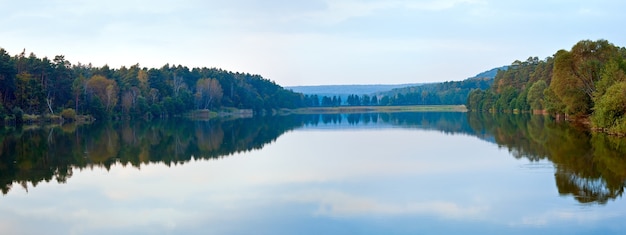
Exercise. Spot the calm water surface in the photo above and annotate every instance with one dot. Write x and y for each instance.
(402, 173)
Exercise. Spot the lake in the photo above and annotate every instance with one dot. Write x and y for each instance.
(387, 173)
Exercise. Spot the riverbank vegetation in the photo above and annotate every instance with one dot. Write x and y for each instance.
(586, 83)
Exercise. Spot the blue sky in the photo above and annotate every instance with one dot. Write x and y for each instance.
(310, 42)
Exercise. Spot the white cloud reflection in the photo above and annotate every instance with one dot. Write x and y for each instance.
(341, 204)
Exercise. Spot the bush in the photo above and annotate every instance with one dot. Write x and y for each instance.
(69, 114)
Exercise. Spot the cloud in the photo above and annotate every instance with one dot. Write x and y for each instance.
(338, 11)
(309, 42)
(439, 5)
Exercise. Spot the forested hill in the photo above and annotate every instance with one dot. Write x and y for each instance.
(41, 86)
(340, 90)
(490, 73)
(345, 90)
(586, 82)
(445, 93)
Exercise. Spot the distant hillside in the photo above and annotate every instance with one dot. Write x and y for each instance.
(341, 90)
(490, 73)
(443, 93)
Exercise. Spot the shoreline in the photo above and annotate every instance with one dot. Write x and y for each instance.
(206, 114)
(377, 109)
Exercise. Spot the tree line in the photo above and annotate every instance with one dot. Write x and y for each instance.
(445, 93)
(40, 86)
(587, 82)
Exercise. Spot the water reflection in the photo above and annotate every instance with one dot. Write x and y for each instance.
(52, 153)
(589, 167)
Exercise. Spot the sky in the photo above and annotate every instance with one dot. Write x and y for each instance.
(310, 42)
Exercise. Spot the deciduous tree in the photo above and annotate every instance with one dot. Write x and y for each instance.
(105, 89)
(208, 91)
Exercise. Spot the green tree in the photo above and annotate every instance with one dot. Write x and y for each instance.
(552, 103)
(365, 100)
(79, 89)
(612, 73)
(384, 100)
(505, 101)
(374, 100)
(58, 91)
(29, 93)
(610, 109)
(535, 95)
(7, 76)
(97, 109)
(474, 100)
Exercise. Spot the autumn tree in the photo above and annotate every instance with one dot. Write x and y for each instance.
(105, 89)
(588, 59)
(207, 91)
(577, 73)
(567, 88)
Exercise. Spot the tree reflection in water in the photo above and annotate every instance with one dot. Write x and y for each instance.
(591, 167)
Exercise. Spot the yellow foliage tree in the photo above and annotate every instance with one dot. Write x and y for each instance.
(106, 90)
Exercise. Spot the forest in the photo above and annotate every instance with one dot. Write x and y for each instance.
(586, 83)
(57, 88)
(445, 93)
(34, 87)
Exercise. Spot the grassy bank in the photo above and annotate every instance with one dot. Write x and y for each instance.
(380, 109)
(205, 114)
(33, 119)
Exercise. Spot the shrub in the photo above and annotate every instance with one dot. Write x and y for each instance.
(68, 114)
